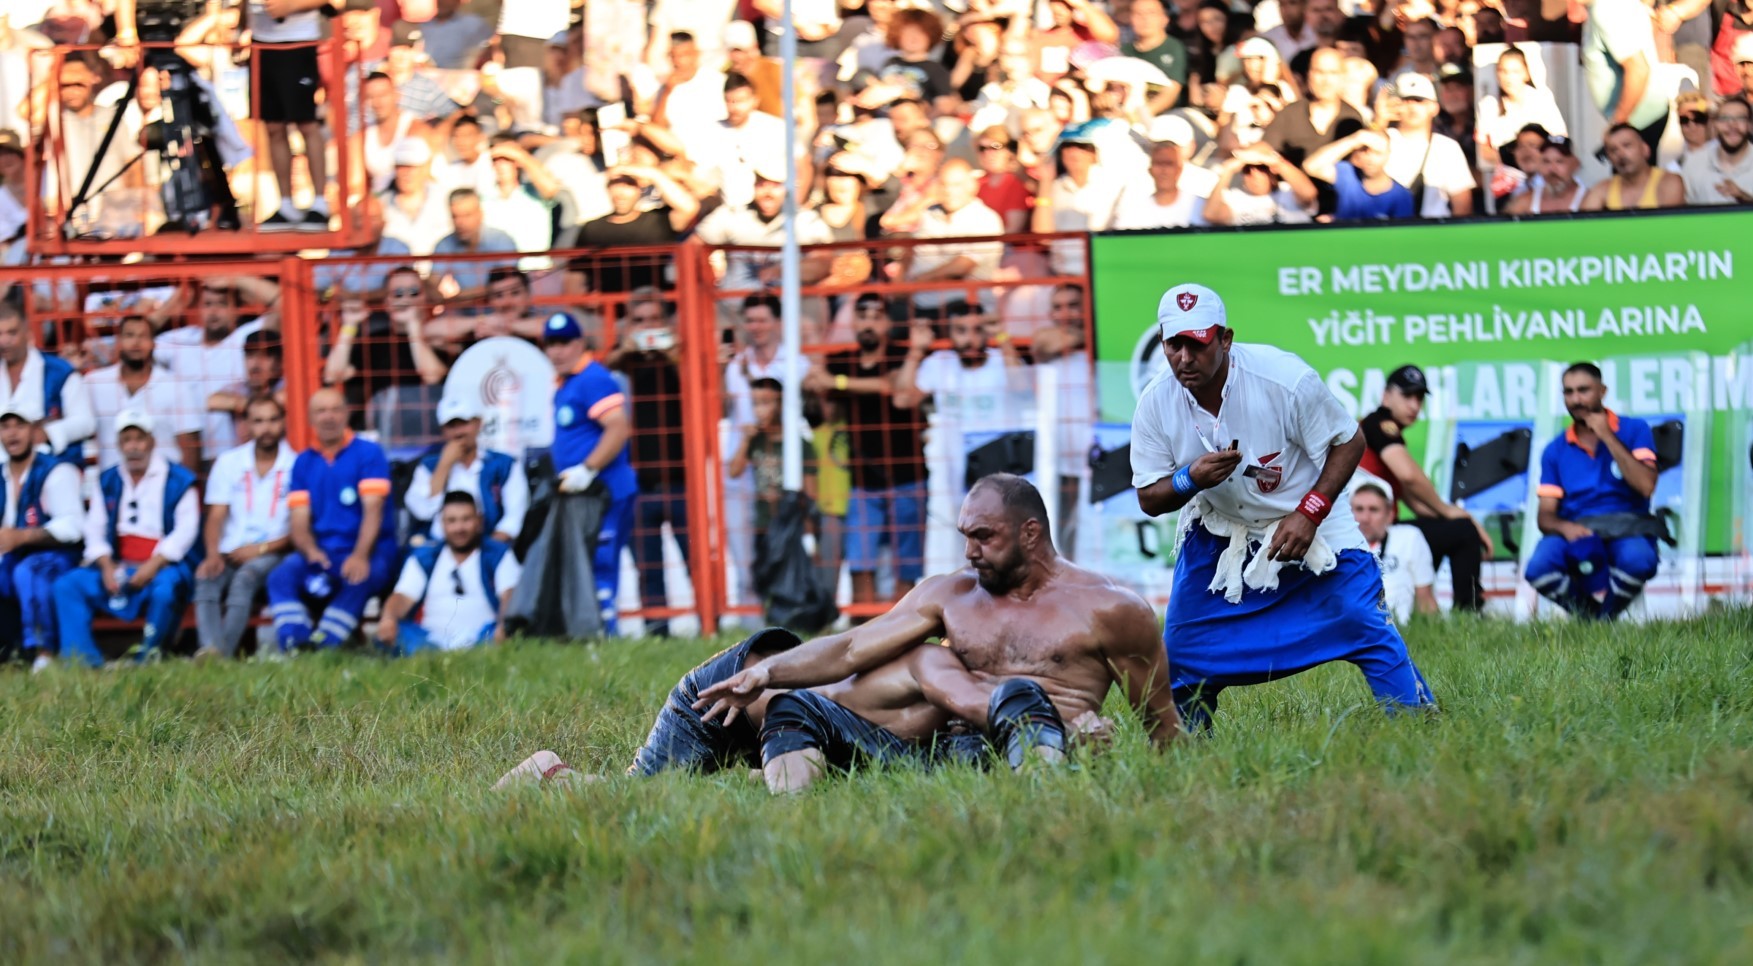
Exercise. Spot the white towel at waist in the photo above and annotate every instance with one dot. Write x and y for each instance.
(1235, 570)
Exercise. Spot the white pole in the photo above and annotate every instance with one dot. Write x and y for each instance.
(791, 414)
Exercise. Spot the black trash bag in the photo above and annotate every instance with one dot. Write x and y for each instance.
(557, 596)
(786, 577)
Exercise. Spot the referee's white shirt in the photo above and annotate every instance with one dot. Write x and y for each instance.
(1285, 419)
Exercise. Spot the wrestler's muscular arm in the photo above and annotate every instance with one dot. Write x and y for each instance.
(1133, 648)
(912, 620)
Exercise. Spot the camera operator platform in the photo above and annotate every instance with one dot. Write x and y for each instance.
(192, 137)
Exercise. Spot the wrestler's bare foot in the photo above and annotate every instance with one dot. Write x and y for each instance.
(793, 771)
(543, 766)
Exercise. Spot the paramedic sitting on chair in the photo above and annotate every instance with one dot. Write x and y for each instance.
(1595, 487)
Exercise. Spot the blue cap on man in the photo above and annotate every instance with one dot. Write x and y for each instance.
(561, 327)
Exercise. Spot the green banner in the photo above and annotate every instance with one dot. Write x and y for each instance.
(1491, 311)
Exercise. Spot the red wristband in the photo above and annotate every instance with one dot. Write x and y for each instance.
(1315, 506)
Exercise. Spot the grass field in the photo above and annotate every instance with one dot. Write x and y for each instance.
(1587, 796)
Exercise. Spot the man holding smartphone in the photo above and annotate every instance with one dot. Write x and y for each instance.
(1273, 577)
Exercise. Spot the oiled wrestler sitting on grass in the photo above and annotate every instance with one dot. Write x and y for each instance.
(1020, 616)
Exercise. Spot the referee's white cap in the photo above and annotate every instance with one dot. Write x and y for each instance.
(1193, 311)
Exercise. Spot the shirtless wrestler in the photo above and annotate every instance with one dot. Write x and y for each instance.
(1023, 615)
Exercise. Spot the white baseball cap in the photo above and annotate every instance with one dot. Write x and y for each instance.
(1414, 86)
(15, 410)
(1257, 47)
(1193, 311)
(1743, 50)
(740, 35)
(134, 419)
(1170, 129)
(411, 152)
(454, 408)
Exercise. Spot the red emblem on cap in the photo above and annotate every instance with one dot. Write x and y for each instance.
(1186, 300)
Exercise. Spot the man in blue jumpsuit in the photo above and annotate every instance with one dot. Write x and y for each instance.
(345, 547)
(591, 432)
(1595, 487)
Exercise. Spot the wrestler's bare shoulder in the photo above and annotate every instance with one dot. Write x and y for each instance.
(1098, 592)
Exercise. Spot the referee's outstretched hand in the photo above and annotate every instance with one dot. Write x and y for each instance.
(1213, 468)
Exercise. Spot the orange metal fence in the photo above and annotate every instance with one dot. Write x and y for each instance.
(691, 343)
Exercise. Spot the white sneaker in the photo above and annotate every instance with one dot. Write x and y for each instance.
(41, 664)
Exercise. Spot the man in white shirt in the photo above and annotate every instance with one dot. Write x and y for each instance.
(45, 388)
(958, 213)
(142, 524)
(459, 587)
(979, 384)
(208, 356)
(1431, 165)
(138, 382)
(1294, 33)
(247, 532)
(1160, 201)
(1722, 173)
(41, 522)
(746, 140)
(496, 480)
(1249, 437)
(1408, 575)
(693, 96)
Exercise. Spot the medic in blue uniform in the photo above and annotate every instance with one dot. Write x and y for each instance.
(1595, 487)
(591, 433)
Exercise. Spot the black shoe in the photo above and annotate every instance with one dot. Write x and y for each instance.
(312, 221)
(276, 222)
(228, 220)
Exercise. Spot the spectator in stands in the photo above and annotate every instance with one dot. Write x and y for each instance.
(979, 384)
(1356, 168)
(911, 72)
(41, 523)
(1062, 346)
(1419, 53)
(746, 140)
(14, 202)
(1619, 63)
(1272, 191)
(887, 460)
(1153, 44)
(1079, 196)
(1319, 119)
(470, 236)
(1431, 165)
(1159, 202)
(1558, 189)
(334, 275)
(1722, 173)
(524, 29)
(1692, 109)
(1002, 186)
(208, 356)
(137, 383)
(630, 223)
(284, 48)
(343, 541)
(1458, 116)
(591, 433)
(46, 388)
(458, 585)
(141, 532)
(763, 357)
(263, 376)
(83, 123)
(1214, 33)
(248, 521)
(1450, 531)
(1294, 33)
(495, 480)
(465, 162)
(415, 214)
(397, 347)
(1408, 575)
(762, 222)
(742, 50)
(692, 96)
(1517, 104)
(510, 206)
(761, 445)
(956, 212)
(511, 309)
(388, 127)
(1743, 52)
(649, 354)
(453, 40)
(1635, 183)
(1595, 485)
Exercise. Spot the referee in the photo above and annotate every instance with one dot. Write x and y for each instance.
(1451, 532)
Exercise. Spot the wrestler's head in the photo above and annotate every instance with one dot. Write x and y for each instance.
(1004, 531)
